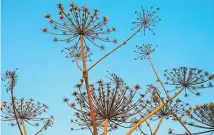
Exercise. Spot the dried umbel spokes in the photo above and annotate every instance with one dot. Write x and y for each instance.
(115, 79)
(74, 52)
(147, 19)
(110, 102)
(11, 78)
(203, 117)
(189, 78)
(79, 21)
(174, 107)
(144, 51)
(27, 111)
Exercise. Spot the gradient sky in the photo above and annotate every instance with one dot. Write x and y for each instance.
(185, 37)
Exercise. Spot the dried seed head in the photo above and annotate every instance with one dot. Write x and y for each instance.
(145, 51)
(190, 79)
(80, 21)
(147, 19)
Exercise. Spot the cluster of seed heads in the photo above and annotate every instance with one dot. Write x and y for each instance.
(203, 117)
(153, 101)
(144, 51)
(11, 77)
(190, 79)
(28, 111)
(75, 53)
(147, 19)
(111, 101)
(79, 21)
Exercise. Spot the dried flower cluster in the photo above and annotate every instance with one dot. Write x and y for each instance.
(113, 104)
(190, 79)
(144, 51)
(11, 77)
(174, 107)
(112, 101)
(28, 111)
(19, 111)
(74, 52)
(147, 19)
(203, 117)
(79, 21)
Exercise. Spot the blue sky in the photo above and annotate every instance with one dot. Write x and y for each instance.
(184, 38)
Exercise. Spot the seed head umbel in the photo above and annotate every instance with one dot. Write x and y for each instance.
(79, 21)
(191, 79)
(147, 19)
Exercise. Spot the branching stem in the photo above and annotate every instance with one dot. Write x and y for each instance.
(85, 76)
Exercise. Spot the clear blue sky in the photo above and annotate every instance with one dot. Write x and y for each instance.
(185, 37)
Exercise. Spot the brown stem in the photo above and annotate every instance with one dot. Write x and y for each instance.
(159, 124)
(24, 128)
(159, 80)
(180, 121)
(105, 126)
(44, 126)
(40, 130)
(150, 61)
(14, 108)
(85, 75)
(153, 112)
(150, 129)
(115, 48)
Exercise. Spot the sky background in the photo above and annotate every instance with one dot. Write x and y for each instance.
(184, 37)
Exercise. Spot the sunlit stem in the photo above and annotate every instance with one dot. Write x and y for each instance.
(115, 48)
(158, 126)
(159, 80)
(24, 128)
(85, 76)
(178, 119)
(105, 127)
(153, 112)
(14, 107)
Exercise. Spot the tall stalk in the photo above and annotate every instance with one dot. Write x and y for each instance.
(153, 112)
(105, 127)
(85, 76)
(14, 108)
(159, 80)
(158, 126)
(24, 128)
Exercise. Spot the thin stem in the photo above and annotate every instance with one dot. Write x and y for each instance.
(85, 75)
(40, 130)
(179, 120)
(150, 61)
(14, 109)
(115, 48)
(24, 128)
(153, 112)
(159, 80)
(105, 127)
(78, 64)
(158, 126)
(150, 129)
